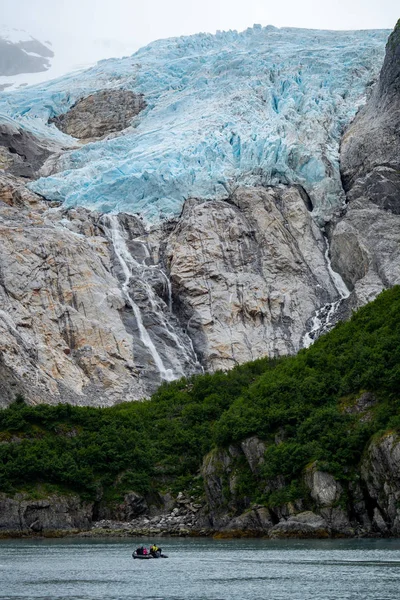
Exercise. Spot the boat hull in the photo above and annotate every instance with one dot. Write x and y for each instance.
(147, 556)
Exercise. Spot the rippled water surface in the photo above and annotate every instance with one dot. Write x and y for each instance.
(201, 569)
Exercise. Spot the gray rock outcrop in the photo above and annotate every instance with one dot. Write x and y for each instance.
(229, 511)
(324, 489)
(301, 525)
(327, 492)
(370, 158)
(55, 514)
(22, 153)
(254, 450)
(99, 114)
(381, 474)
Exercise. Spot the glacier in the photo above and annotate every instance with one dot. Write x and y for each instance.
(260, 107)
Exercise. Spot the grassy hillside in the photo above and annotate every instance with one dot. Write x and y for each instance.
(309, 401)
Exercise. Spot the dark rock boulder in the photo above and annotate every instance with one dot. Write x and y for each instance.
(132, 507)
(255, 522)
(302, 525)
(21, 152)
(254, 450)
(99, 114)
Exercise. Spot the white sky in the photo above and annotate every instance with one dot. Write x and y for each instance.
(138, 22)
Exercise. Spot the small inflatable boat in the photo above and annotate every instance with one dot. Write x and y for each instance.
(147, 556)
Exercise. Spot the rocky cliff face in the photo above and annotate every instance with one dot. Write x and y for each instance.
(365, 241)
(85, 312)
(54, 515)
(368, 507)
(96, 310)
(22, 153)
(247, 274)
(370, 160)
(381, 474)
(62, 336)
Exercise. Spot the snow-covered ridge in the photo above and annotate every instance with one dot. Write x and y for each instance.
(21, 54)
(15, 36)
(65, 54)
(264, 106)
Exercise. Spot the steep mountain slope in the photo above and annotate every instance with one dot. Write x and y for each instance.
(99, 308)
(29, 58)
(22, 53)
(366, 240)
(241, 271)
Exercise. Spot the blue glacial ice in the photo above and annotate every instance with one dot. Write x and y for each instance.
(264, 106)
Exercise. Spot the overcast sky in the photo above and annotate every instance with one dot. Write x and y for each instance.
(138, 22)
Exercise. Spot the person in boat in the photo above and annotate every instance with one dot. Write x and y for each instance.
(155, 551)
(140, 550)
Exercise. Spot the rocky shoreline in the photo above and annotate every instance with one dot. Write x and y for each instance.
(368, 507)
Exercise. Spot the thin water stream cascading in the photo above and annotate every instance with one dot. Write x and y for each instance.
(133, 269)
(322, 319)
(127, 262)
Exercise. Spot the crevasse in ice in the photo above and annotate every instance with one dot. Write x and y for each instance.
(264, 106)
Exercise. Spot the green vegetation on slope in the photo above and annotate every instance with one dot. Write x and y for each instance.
(306, 401)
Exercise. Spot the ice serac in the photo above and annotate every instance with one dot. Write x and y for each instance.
(365, 242)
(263, 107)
(248, 273)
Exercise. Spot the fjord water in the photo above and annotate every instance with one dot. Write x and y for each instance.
(200, 569)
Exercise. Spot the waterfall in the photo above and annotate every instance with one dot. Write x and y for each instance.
(127, 263)
(180, 351)
(337, 279)
(322, 320)
(169, 289)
